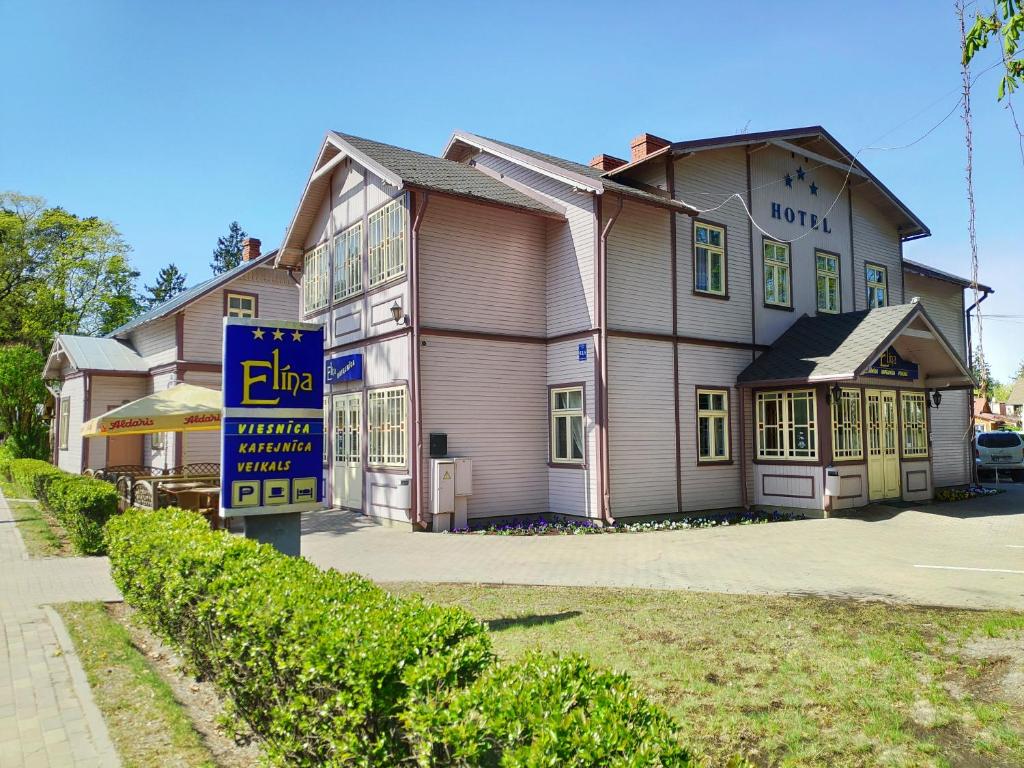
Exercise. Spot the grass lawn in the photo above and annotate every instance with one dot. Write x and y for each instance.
(42, 534)
(787, 681)
(146, 723)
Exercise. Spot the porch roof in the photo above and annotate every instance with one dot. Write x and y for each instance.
(842, 347)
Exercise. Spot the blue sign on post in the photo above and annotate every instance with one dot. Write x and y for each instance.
(344, 368)
(272, 427)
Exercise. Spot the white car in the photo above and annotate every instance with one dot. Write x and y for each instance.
(1000, 450)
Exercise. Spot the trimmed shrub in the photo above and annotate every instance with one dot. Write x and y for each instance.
(318, 663)
(34, 476)
(330, 670)
(6, 459)
(83, 505)
(544, 710)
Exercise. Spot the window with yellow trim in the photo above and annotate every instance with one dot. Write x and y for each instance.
(387, 241)
(827, 274)
(241, 306)
(567, 425)
(915, 423)
(65, 421)
(787, 426)
(712, 425)
(847, 437)
(776, 274)
(708, 258)
(348, 262)
(315, 268)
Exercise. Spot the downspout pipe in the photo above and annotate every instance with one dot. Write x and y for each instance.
(416, 438)
(970, 347)
(970, 400)
(602, 309)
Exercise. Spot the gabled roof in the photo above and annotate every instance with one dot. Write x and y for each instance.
(570, 172)
(839, 347)
(400, 168)
(1017, 393)
(89, 353)
(917, 268)
(801, 139)
(172, 305)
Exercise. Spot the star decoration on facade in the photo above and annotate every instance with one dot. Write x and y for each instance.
(789, 181)
(814, 188)
(296, 336)
(800, 173)
(278, 334)
(258, 334)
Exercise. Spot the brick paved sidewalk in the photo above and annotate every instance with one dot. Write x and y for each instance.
(47, 714)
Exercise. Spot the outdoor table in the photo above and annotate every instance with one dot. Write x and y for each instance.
(197, 493)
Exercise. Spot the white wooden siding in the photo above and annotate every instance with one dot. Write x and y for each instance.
(797, 486)
(916, 480)
(641, 416)
(853, 486)
(574, 491)
(768, 168)
(709, 486)
(482, 268)
(875, 240)
(202, 446)
(156, 341)
(640, 270)
(704, 180)
(490, 399)
(571, 244)
(164, 457)
(71, 459)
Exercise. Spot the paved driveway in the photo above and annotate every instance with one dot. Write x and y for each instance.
(968, 554)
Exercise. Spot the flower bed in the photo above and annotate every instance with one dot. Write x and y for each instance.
(544, 527)
(965, 494)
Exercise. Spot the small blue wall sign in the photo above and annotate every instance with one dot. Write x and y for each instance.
(344, 368)
(272, 430)
(891, 366)
(582, 352)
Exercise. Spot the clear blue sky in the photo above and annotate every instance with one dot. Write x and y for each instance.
(173, 119)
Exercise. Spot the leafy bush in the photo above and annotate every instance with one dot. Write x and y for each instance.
(83, 505)
(6, 459)
(541, 711)
(330, 670)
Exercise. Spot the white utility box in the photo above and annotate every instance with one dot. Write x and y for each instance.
(463, 477)
(401, 497)
(451, 483)
(832, 481)
(442, 486)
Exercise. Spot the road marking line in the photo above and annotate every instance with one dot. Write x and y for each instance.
(1015, 546)
(964, 568)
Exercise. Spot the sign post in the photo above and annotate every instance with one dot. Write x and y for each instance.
(272, 427)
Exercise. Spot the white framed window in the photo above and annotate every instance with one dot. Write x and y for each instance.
(827, 279)
(315, 270)
(708, 258)
(877, 280)
(786, 425)
(240, 305)
(915, 423)
(567, 446)
(65, 421)
(348, 262)
(847, 437)
(776, 274)
(386, 242)
(712, 425)
(386, 426)
(157, 441)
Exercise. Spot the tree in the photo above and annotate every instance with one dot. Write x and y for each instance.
(169, 283)
(60, 273)
(228, 253)
(982, 374)
(1004, 25)
(22, 394)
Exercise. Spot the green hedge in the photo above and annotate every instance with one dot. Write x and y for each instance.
(81, 504)
(330, 670)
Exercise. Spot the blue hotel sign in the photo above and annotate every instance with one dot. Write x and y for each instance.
(272, 427)
(891, 366)
(344, 368)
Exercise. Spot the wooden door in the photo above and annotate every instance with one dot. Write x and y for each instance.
(124, 450)
(348, 451)
(883, 445)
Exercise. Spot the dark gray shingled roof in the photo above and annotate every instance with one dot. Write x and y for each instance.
(193, 293)
(594, 173)
(827, 347)
(436, 173)
(924, 270)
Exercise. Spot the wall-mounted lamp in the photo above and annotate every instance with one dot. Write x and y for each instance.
(833, 394)
(399, 317)
(936, 398)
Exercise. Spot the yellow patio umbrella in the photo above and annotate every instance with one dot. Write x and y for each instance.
(182, 408)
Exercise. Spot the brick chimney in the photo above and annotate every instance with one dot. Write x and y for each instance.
(250, 249)
(607, 162)
(645, 144)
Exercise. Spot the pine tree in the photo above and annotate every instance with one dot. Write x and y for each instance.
(169, 283)
(228, 253)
